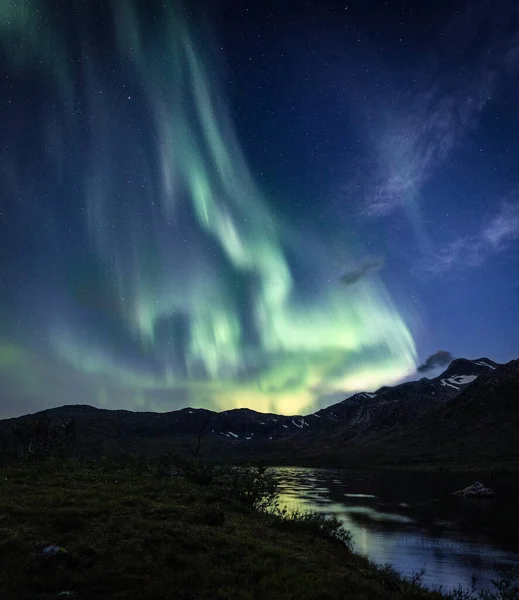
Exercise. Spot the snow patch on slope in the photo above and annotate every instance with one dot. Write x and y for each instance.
(444, 382)
(484, 364)
(462, 379)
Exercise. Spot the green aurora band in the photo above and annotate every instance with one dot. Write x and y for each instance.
(196, 269)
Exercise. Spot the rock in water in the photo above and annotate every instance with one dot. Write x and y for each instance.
(476, 490)
(53, 549)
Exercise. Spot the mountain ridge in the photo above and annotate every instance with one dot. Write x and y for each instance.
(357, 424)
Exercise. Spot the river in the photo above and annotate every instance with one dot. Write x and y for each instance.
(412, 521)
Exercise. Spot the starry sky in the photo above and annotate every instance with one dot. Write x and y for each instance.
(252, 204)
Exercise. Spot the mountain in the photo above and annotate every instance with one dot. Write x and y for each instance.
(391, 408)
(414, 419)
(479, 424)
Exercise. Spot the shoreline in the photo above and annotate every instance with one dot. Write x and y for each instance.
(131, 532)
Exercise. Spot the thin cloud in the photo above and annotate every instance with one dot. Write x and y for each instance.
(504, 227)
(461, 252)
(420, 137)
(495, 237)
(425, 125)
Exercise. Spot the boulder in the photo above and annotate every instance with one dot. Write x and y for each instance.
(476, 490)
(53, 549)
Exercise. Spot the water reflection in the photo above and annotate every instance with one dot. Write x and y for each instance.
(409, 520)
(360, 495)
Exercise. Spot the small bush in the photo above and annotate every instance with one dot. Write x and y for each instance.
(330, 527)
(256, 487)
(506, 587)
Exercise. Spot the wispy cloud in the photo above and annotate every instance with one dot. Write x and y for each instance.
(504, 227)
(472, 251)
(461, 252)
(419, 137)
(424, 125)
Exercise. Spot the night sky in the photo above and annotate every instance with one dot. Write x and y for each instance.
(252, 204)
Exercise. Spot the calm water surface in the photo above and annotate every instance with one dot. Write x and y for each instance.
(412, 521)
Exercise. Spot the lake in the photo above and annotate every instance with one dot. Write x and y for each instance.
(412, 521)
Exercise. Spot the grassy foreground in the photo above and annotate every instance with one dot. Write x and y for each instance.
(132, 532)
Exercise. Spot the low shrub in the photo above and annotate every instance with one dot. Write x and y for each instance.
(505, 588)
(256, 487)
(328, 526)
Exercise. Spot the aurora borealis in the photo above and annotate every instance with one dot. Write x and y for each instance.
(149, 262)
